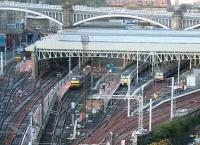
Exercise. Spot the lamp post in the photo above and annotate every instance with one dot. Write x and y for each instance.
(73, 105)
(20, 40)
(110, 71)
(172, 100)
(27, 39)
(5, 54)
(70, 75)
(85, 94)
(150, 115)
(1, 62)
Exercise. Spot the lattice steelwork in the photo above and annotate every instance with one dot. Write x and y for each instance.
(129, 55)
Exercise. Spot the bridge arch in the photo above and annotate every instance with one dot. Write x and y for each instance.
(120, 16)
(32, 12)
(192, 27)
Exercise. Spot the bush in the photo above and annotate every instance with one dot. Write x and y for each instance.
(176, 130)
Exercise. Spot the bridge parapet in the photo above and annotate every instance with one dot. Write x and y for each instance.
(30, 5)
(118, 10)
(192, 15)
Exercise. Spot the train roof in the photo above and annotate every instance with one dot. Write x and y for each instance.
(129, 70)
(132, 68)
(76, 77)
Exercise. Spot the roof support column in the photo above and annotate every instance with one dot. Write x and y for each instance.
(79, 62)
(195, 61)
(153, 64)
(178, 69)
(137, 67)
(70, 67)
(124, 64)
(34, 65)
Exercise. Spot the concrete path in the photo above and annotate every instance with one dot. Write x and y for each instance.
(25, 66)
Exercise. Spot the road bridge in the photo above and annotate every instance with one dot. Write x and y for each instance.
(149, 46)
(81, 14)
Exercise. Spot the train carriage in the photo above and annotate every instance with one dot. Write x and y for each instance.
(75, 82)
(169, 70)
(126, 74)
(131, 73)
(78, 79)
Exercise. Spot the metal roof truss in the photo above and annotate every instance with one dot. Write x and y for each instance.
(149, 57)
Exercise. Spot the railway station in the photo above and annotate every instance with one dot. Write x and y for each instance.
(153, 57)
(101, 81)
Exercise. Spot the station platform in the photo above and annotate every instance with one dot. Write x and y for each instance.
(25, 66)
(110, 87)
(63, 89)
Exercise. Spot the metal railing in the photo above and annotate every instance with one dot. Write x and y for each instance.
(118, 10)
(29, 5)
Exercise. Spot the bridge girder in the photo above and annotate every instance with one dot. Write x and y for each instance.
(120, 16)
(192, 27)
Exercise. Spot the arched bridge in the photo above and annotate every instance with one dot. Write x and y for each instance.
(83, 13)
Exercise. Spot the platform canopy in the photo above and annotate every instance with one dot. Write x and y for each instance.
(121, 40)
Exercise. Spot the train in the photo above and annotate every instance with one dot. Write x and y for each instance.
(19, 57)
(166, 71)
(131, 73)
(75, 82)
(126, 74)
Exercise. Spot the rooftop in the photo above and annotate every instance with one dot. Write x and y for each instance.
(123, 40)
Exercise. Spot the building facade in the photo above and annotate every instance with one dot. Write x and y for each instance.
(161, 3)
(179, 2)
(11, 24)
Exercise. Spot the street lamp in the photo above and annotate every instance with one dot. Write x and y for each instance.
(20, 40)
(73, 105)
(91, 76)
(110, 71)
(70, 75)
(85, 94)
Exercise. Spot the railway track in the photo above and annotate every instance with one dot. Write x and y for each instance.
(64, 114)
(13, 100)
(13, 84)
(67, 115)
(123, 130)
(110, 111)
(7, 89)
(17, 115)
(42, 87)
(56, 129)
(122, 90)
(26, 120)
